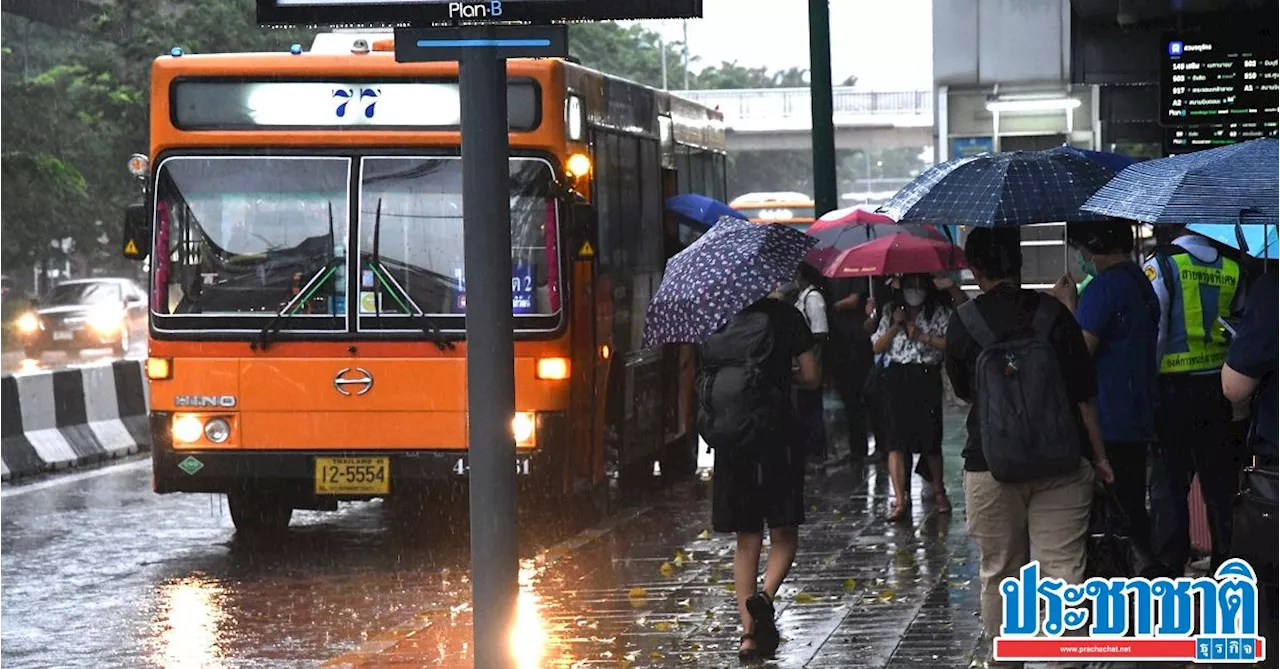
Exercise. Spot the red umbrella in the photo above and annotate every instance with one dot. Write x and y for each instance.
(846, 228)
(897, 254)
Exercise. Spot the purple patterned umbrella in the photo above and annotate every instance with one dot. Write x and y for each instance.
(730, 267)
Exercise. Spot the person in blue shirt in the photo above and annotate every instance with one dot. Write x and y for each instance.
(1120, 316)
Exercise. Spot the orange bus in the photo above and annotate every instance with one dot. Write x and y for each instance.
(793, 209)
(303, 220)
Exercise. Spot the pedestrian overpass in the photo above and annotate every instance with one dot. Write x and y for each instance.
(777, 119)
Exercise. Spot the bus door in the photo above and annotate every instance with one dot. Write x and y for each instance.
(590, 361)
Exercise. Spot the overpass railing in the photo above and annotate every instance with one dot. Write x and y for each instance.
(770, 109)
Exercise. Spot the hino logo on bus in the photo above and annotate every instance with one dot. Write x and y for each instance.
(358, 377)
(491, 9)
(205, 401)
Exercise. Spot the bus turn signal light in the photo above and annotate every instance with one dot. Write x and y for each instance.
(553, 369)
(159, 369)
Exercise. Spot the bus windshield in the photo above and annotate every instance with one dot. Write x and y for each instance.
(248, 236)
(241, 235)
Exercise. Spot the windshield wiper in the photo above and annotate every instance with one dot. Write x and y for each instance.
(291, 307)
(385, 279)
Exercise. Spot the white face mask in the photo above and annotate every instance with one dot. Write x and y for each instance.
(914, 296)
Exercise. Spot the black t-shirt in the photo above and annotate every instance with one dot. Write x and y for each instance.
(791, 337)
(1253, 353)
(1009, 311)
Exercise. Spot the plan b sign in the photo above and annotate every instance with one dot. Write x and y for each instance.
(1207, 620)
(427, 13)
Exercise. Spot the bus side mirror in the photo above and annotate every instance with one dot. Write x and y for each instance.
(585, 225)
(136, 237)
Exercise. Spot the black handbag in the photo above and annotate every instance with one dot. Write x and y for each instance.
(1111, 551)
(1253, 516)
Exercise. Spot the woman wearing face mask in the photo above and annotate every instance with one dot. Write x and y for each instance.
(912, 335)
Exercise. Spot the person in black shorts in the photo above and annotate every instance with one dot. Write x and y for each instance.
(763, 483)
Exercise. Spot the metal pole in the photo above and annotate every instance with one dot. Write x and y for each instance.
(824, 133)
(482, 85)
(662, 44)
(685, 23)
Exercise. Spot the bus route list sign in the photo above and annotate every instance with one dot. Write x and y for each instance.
(1216, 80)
(424, 13)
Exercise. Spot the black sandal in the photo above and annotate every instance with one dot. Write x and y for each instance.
(748, 655)
(760, 606)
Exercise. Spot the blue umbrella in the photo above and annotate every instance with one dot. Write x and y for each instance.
(731, 267)
(1260, 239)
(701, 209)
(1001, 189)
(1113, 161)
(1229, 184)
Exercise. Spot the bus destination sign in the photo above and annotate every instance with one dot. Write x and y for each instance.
(426, 13)
(1214, 81)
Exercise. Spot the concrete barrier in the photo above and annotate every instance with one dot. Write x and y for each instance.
(72, 417)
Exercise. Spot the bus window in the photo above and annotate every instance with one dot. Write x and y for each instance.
(413, 206)
(245, 233)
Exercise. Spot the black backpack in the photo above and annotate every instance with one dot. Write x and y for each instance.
(1025, 419)
(739, 404)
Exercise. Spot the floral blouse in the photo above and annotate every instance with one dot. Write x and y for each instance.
(905, 351)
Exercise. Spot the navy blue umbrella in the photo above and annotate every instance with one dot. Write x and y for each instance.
(701, 209)
(1001, 189)
(1229, 184)
(1113, 161)
(731, 267)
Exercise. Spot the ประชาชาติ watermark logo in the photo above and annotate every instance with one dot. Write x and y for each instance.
(1137, 619)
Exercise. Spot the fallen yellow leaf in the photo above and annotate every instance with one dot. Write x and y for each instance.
(666, 569)
(679, 560)
(803, 597)
(712, 579)
(730, 587)
(710, 614)
(663, 626)
(636, 593)
(813, 507)
(705, 534)
(850, 585)
(655, 655)
(886, 596)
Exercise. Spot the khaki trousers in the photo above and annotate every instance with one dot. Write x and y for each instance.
(1014, 523)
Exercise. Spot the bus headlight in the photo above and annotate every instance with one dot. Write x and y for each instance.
(217, 430)
(552, 369)
(523, 426)
(28, 323)
(187, 429)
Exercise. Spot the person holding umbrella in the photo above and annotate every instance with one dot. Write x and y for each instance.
(912, 335)
(722, 293)
(1119, 315)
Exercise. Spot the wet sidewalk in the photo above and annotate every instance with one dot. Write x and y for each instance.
(653, 588)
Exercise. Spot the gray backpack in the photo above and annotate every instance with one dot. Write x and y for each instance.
(1025, 419)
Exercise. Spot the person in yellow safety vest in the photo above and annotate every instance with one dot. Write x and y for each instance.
(1197, 286)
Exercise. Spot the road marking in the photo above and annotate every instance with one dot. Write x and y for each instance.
(72, 478)
(368, 651)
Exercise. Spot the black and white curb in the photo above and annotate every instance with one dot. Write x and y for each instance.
(72, 417)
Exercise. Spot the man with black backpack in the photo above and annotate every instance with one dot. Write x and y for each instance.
(747, 370)
(1021, 359)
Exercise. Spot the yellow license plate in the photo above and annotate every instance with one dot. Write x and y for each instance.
(353, 476)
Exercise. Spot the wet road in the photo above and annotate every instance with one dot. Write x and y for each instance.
(100, 572)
